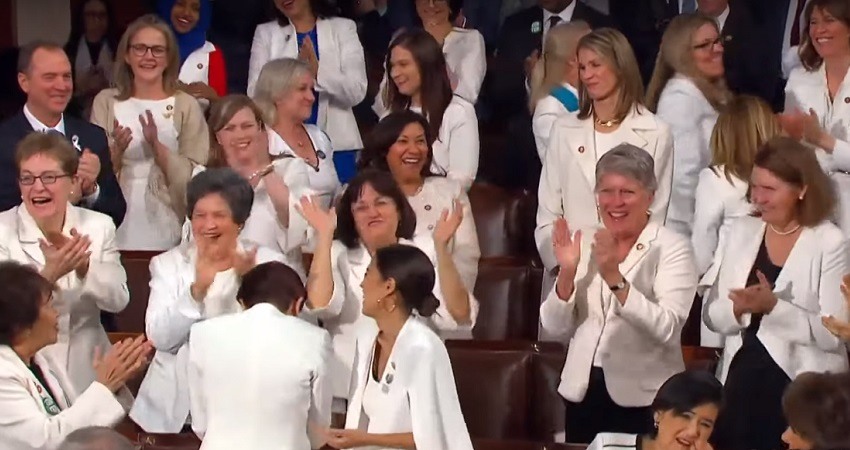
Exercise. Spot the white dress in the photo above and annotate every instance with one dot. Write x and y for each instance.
(149, 223)
(323, 180)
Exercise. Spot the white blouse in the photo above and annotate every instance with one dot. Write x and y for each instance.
(438, 193)
(457, 145)
(323, 179)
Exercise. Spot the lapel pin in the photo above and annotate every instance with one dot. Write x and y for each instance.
(640, 246)
(200, 66)
(321, 154)
(75, 141)
(536, 27)
(581, 149)
(169, 107)
(390, 378)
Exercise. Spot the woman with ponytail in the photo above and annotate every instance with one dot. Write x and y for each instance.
(554, 80)
(687, 90)
(404, 394)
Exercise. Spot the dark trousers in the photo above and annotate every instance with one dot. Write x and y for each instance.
(597, 413)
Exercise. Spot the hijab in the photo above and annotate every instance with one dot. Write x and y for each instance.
(194, 39)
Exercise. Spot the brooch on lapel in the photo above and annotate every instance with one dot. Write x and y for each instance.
(75, 141)
(169, 111)
(388, 379)
(321, 154)
(536, 27)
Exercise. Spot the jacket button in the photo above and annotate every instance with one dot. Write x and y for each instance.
(427, 207)
(640, 246)
(200, 66)
(430, 227)
(581, 149)
(846, 99)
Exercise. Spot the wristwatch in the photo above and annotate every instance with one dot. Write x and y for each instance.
(618, 286)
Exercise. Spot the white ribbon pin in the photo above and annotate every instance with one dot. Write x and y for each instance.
(75, 140)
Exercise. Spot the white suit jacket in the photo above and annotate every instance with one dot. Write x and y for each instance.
(691, 118)
(196, 68)
(323, 182)
(259, 379)
(808, 90)
(808, 287)
(418, 392)
(719, 203)
(79, 302)
(614, 441)
(162, 404)
(546, 112)
(341, 82)
(639, 343)
(343, 315)
(568, 179)
(24, 421)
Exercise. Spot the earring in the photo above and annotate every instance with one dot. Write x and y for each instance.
(648, 213)
(655, 424)
(801, 196)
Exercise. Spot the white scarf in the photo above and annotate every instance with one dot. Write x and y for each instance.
(84, 60)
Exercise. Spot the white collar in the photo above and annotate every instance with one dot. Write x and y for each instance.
(38, 126)
(721, 19)
(566, 15)
(570, 88)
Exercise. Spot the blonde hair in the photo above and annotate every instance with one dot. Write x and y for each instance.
(613, 47)
(123, 75)
(558, 50)
(277, 78)
(676, 56)
(744, 126)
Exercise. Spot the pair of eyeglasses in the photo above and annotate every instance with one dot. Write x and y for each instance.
(46, 178)
(157, 51)
(721, 40)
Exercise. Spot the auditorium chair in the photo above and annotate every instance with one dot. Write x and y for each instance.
(137, 266)
(509, 297)
(503, 221)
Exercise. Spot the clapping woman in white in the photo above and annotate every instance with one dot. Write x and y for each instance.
(403, 390)
(373, 213)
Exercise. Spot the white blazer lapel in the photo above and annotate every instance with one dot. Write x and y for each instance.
(640, 130)
(29, 235)
(583, 148)
(285, 43)
(365, 344)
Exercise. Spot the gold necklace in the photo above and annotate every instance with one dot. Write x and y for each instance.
(606, 123)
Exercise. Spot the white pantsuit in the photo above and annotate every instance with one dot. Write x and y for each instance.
(808, 287)
(259, 379)
(162, 405)
(78, 301)
(417, 391)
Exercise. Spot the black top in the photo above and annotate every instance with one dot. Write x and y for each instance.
(39, 375)
(771, 272)
(94, 50)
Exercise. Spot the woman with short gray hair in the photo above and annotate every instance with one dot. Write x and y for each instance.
(195, 281)
(284, 93)
(622, 295)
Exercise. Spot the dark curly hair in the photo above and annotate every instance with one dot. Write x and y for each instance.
(817, 407)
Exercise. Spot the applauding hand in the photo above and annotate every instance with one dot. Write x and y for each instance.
(840, 327)
(756, 299)
(448, 224)
(122, 362)
(324, 222)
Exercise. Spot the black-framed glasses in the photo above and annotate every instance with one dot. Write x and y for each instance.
(46, 178)
(721, 40)
(157, 51)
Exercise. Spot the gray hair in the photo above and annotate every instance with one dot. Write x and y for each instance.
(277, 78)
(629, 161)
(224, 181)
(96, 438)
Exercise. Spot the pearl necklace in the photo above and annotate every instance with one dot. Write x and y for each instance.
(784, 233)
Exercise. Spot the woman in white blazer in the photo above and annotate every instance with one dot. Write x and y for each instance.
(47, 232)
(240, 141)
(285, 402)
(307, 30)
(683, 412)
(403, 390)
(285, 97)
(817, 97)
(39, 405)
(203, 73)
(195, 281)
(686, 90)
(553, 81)
(610, 113)
(400, 144)
(419, 82)
(778, 273)
(374, 213)
(622, 294)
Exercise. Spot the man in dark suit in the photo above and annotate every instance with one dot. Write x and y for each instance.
(643, 22)
(44, 74)
(521, 38)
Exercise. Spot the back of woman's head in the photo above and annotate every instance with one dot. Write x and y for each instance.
(272, 282)
(385, 134)
(742, 128)
(687, 390)
(22, 290)
(614, 49)
(676, 56)
(414, 276)
(817, 408)
(558, 50)
(435, 88)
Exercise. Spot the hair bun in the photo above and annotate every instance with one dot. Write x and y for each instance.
(429, 305)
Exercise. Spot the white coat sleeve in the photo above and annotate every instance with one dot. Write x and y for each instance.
(106, 280)
(541, 123)
(664, 167)
(346, 85)
(802, 325)
(321, 395)
(260, 55)
(436, 417)
(473, 67)
(24, 420)
(195, 374)
(442, 318)
(663, 315)
(680, 110)
(339, 267)
(549, 206)
(558, 316)
(465, 249)
(462, 142)
(708, 216)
